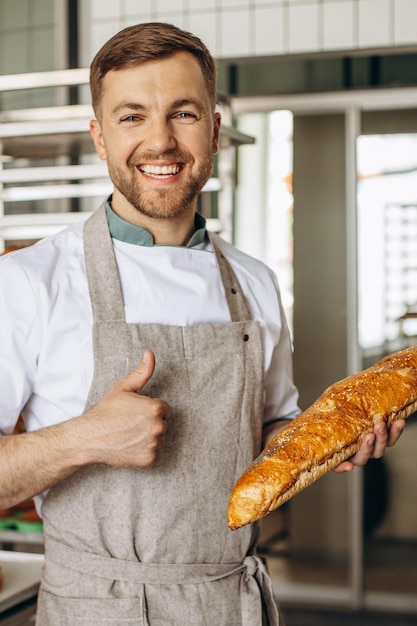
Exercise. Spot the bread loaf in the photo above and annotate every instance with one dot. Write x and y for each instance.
(328, 432)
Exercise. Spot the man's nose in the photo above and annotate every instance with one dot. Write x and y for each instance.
(160, 137)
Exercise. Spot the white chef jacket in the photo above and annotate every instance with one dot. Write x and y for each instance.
(46, 357)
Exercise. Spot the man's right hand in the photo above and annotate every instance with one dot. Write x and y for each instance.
(127, 429)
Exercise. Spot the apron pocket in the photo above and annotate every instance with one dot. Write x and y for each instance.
(60, 611)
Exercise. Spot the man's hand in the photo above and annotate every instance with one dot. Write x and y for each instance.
(373, 445)
(127, 429)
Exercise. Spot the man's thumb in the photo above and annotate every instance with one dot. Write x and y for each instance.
(138, 378)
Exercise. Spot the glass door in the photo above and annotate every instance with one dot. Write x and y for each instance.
(347, 540)
(387, 287)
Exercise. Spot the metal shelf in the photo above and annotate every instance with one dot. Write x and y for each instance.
(58, 138)
(8, 537)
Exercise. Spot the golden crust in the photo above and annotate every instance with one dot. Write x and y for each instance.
(327, 433)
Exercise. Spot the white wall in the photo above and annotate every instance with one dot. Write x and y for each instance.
(32, 39)
(247, 28)
(30, 31)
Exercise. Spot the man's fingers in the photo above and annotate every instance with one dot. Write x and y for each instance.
(137, 379)
(395, 432)
(374, 445)
(361, 457)
(366, 451)
(381, 440)
(386, 437)
(345, 466)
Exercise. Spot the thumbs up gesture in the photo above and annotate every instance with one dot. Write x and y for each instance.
(127, 429)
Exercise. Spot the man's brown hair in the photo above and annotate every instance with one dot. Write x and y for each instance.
(143, 42)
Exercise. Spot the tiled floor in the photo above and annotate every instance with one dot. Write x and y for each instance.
(305, 617)
(390, 569)
(293, 617)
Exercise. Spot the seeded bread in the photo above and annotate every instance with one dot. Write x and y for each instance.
(328, 432)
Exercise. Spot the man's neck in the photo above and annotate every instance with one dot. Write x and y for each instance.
(175, 231)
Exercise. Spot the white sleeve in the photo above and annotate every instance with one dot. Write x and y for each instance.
(19, 341)
(281, 395)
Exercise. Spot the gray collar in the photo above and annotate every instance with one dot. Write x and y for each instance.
(129, 233)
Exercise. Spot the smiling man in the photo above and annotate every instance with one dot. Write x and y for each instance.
(158, 143)
(150, 360)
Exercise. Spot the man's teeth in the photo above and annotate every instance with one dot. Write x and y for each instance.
(157, 170)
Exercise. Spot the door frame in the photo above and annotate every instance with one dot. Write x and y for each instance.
(352, 104)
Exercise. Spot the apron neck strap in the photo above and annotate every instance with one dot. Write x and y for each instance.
(236, 301)
(104, 280)
(102, 272)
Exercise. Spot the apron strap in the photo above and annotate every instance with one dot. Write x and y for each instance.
(256, 585)
(138, 572)
(236, 301)
(106, 294)
(255, 581)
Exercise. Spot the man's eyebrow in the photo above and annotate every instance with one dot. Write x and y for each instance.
(130, 106)
(183, 102)
(176, 104)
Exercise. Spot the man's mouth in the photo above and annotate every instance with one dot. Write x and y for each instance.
(160, 171)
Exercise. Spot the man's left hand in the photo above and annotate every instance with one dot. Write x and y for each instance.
(373, 445)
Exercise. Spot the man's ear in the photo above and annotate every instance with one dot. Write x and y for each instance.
(97, 135)
(216, 132)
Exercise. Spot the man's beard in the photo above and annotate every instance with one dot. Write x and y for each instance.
(161, 203)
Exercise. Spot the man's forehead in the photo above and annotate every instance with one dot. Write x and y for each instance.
(180, 59)
(163, 80)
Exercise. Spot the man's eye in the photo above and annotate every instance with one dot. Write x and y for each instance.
(130, 118)
(185, 115)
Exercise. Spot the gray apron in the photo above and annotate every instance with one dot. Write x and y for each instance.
(151, 546)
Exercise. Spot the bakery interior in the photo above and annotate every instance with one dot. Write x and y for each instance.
(317, 177)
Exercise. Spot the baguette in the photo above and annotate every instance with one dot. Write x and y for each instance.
(324, 435)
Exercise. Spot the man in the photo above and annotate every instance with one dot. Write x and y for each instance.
(132, 459)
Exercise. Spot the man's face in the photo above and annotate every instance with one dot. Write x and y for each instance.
(158, 133)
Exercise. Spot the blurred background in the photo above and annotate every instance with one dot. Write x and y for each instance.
(316, 176)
